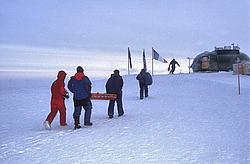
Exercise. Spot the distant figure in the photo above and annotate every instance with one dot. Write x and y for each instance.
(114, 85)
(144, 79)
(172, 64)
(58, 96)
(80, 86)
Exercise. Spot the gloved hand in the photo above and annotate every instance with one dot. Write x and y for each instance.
(66, 96)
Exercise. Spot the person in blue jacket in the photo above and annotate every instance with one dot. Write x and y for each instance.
(80, 86)
(141, 77)
(114, 86)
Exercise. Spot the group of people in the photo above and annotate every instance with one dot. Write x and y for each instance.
(80, 86)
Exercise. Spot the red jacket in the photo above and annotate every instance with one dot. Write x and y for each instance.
(57, 88)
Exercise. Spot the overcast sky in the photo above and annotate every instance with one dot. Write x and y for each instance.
(171, 26)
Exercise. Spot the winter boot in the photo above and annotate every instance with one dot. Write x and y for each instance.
(64, 125)
(47, 125)
(119, 115)
(77, 126)
(88, 123)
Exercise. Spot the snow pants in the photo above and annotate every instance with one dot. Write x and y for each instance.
(172, 70)
(86, 105)
(119, 106)
(57, 105)
(143, 88)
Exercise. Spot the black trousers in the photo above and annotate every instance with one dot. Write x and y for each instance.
(143, 89)
(119, 106)
(86, 104)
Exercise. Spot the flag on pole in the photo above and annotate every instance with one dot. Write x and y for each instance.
(144, 60)
(129, 59)
(156, 56)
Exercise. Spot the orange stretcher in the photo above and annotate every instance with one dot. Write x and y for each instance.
(103, 96)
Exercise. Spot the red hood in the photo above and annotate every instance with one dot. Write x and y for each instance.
(79, 76)
(61, 75)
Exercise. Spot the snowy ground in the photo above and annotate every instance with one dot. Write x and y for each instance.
(188, 118)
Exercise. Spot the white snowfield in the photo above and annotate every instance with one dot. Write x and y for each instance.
(194, 118)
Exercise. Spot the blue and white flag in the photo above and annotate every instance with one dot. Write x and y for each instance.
(156, 56)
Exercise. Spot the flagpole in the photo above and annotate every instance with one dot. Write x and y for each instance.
(189, 58)
(128, 62)
(152, 62)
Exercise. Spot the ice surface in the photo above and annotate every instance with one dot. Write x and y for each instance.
(187, 118)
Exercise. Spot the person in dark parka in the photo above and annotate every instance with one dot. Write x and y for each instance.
(142, 83)
(80, 86)
(114, 85)
(172, 64)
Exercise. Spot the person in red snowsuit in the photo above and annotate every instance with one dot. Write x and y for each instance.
(59, 94)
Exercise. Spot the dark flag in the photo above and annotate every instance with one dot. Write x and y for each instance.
(156, 56)
(144, 60)
(129, 59)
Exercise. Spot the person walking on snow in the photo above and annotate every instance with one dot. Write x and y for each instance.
(141, 77)
(114, 86)
(172, 63)
(80, 86)
(59, 94)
